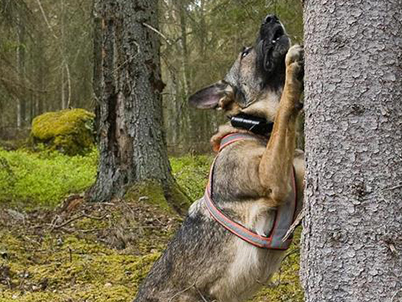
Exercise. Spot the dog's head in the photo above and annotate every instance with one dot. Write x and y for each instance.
(256, 77)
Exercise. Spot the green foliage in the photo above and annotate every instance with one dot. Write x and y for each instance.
(68, 131)
(43, 179)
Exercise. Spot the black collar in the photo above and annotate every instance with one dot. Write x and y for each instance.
(257, 125)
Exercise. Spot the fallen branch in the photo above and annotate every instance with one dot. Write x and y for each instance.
(94, 217)
(55, 227)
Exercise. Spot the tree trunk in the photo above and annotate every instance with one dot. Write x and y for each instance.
(132, 144)
(183, 126)
(97, 67)
(352, 238)
(184, 56)
(21, 58)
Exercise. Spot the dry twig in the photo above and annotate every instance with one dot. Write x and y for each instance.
(158, 32)
(294, 225)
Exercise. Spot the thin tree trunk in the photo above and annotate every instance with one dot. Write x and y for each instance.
(182, 110)
(203, 32)
(41, 77)
(184, 59)
(352, 238)
(97, 71)
(21, 58)
(132, 143)
(62, 89)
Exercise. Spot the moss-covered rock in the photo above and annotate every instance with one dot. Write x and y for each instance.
(69, 131)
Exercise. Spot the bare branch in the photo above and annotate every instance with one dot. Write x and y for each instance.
(158, 32)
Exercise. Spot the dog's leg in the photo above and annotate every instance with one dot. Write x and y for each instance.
(277, 160)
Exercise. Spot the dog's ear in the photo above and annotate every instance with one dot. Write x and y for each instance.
(209, 97)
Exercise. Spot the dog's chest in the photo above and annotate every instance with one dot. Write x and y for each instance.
(251, 267)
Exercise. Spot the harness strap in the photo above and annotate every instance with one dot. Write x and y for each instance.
(284, 216)
(234, 137)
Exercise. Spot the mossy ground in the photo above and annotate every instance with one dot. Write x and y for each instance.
(31, 180)
(78, 251)
(170, 198)
(81, 251)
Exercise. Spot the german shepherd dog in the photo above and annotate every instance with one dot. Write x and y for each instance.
(205, 262)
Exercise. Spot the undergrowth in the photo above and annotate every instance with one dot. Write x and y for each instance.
(191, 173)
(94, 251)
(42, 179)
(32, 179)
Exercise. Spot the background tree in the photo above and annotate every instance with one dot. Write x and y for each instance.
(131, 139)
(45, 59)
(352, 240)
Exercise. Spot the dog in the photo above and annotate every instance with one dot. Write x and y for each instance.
(251, 180)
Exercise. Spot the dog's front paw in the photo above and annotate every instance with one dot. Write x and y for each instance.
(295, 55)
(295, 63)
(295, 66)
(294, 76)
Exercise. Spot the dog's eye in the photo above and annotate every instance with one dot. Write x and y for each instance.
(245, 52)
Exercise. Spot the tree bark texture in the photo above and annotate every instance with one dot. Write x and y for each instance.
(131, 140)
(352, 236)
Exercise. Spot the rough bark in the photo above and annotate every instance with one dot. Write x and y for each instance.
(352, 238)
(131, 140)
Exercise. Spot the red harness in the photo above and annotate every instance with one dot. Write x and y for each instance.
(284, 215)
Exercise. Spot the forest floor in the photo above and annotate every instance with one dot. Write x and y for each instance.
(73, 251)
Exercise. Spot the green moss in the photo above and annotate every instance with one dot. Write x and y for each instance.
(79, 269)
(191, 173)
(68, 131)
(30, 297)
(41, 179)
(81, 266)
(170, 198)
(149, 191)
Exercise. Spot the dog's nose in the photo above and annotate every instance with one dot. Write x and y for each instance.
(271, 19)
